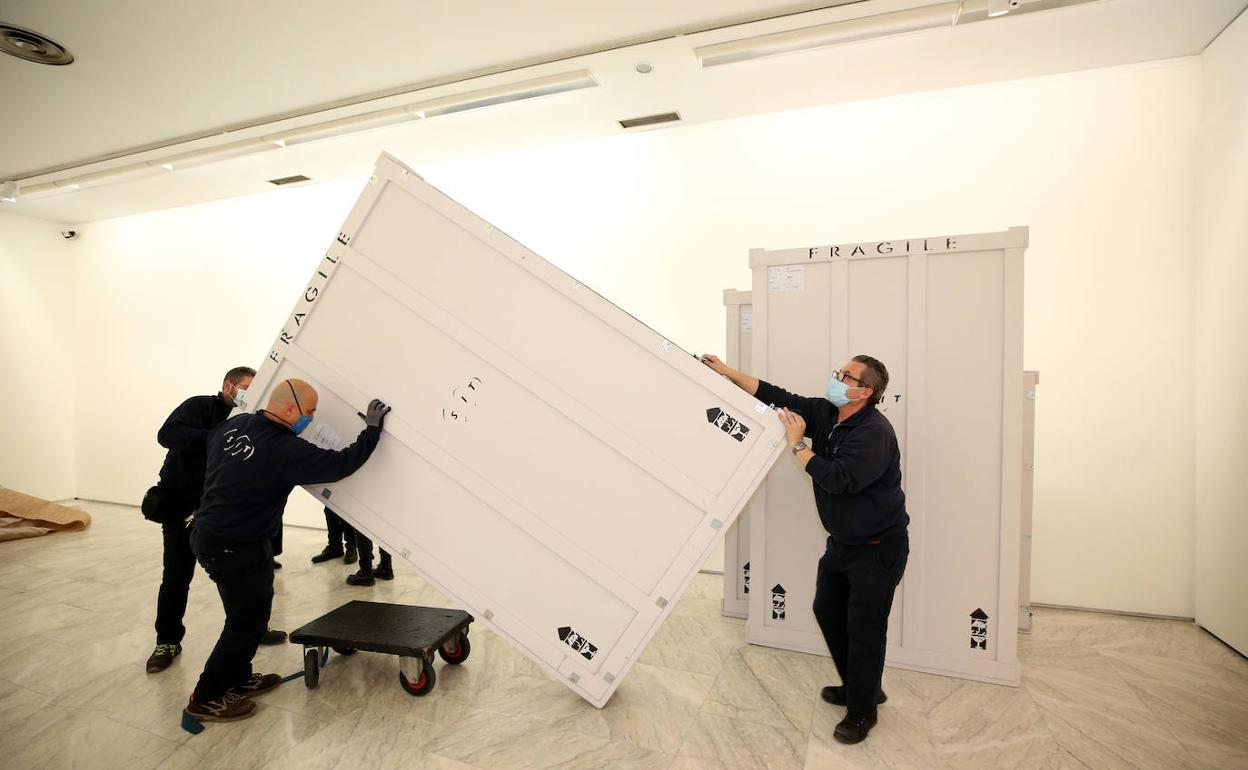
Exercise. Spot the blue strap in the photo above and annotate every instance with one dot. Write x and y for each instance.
(191, 724)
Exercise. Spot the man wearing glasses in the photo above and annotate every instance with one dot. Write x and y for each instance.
(855, 467)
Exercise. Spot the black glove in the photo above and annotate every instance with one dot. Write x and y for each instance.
(377, 412)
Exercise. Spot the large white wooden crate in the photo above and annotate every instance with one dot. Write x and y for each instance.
(945, 315)
(552, 464)
(739, 338)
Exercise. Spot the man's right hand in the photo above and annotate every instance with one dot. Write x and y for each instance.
(742, 380)
(377, 412)
(718, 366)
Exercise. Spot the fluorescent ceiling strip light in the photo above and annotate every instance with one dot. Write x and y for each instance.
(96, 179)
(823, 35)
(349, 125)
(471, 100)
(215, 154)
(113, 175)
(512, 92)
(42, 190)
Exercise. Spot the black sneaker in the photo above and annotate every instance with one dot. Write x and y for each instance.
(835, 695)
(351, 556)
(258, 684)
(327, 555)
(384, 572)
(272, 636)
(227, 708)
(362, 578)
(163, 657)
(854, 728)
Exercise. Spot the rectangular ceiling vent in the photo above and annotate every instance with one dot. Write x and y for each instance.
(289, 180)
(650, 120)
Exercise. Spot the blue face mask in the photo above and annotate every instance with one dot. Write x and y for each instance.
(838, 392)
(304, 419)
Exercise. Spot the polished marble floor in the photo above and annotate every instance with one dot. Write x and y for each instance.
(76, 611)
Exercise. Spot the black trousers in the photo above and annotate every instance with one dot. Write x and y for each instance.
(365, 547)
(175, 582)
(243, 573)
(853, 596)
(340, 532)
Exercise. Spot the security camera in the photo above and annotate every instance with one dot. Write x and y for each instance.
(69, 235)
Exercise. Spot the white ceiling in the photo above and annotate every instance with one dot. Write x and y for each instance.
(197, 75)
(152, 70)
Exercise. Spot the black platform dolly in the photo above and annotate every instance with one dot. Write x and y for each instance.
(412, 633)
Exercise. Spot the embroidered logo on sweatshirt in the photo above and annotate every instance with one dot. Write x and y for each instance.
(238, 444)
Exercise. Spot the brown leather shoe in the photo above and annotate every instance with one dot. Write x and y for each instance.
(258, 684)
(228, 708)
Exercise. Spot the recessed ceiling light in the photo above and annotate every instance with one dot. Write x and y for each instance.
(644, 68)
(32, 46)
(650, 120)
(289, 180)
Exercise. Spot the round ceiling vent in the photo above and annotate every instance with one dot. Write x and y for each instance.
(31, 46)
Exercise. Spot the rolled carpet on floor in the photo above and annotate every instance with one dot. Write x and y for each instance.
(24, 516)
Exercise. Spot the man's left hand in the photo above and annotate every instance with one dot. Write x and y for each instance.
(794, 425)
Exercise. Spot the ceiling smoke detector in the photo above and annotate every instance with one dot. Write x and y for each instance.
(31, 46)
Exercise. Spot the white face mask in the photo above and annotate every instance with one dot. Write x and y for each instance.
(240, 397)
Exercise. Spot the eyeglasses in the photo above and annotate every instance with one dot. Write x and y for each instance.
(842, 375)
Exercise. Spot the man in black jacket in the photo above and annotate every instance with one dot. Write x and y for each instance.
(254, 462)
(175, 497)
(855, 467)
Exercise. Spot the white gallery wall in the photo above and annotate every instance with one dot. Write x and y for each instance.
(1101, 165)
(170, 301)
(37, 352)
(1218, 381)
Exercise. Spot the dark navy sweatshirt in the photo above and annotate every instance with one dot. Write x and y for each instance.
(185, 435)
(856, 470)
(253, 465)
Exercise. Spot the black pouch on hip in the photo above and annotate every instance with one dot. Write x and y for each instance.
(153, 501)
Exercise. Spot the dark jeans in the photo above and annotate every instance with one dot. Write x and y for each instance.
(365, 547)
(340, 532)
(853, 596)
(175, 582)
(243, 573)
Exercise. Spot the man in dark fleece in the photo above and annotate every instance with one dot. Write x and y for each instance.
(855, 467)
(185, 434)
(254, 462)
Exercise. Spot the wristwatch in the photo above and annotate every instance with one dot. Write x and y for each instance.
(799, 446)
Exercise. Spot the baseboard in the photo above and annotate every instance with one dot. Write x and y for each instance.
(70, 500)
(1112, 612)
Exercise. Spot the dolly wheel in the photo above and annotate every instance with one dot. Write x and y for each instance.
(424, 684)
(344, 651)
(311, 667)
(456, 650)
